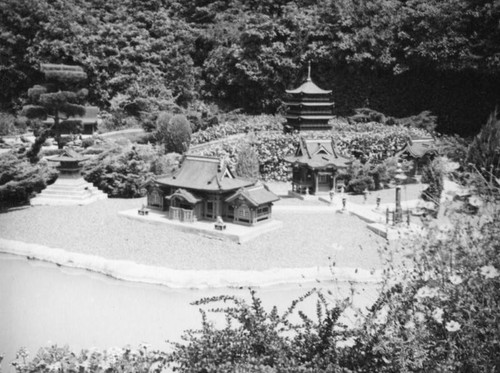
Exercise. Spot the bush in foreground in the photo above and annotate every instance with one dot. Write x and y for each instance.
(19, 179)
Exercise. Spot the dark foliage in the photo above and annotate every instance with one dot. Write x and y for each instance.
(400, 58)
(19, 179)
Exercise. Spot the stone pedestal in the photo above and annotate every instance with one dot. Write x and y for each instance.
(69, 189)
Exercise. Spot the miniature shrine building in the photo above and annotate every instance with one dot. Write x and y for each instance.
(419, 150)
(69, 161)
(315, 167)
(204, 188)
(308, 107)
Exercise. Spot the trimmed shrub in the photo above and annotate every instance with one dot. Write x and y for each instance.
(121, 171)
(19, 179)
(433, 174)
(361, 184)
(247, 165)
(177, 135)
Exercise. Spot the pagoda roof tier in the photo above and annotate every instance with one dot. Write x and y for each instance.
(256, 196)
(204, 173)
(318, 154)
(308, 88)
(68, 155)
(309, 117)
(315, 103)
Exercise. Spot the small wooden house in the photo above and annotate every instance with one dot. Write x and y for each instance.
(204, 188)
(420, 151)
(315, 167)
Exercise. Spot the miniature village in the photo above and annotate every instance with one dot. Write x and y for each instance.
(202, 194)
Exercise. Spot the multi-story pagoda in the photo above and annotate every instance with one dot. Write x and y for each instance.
(308, 107)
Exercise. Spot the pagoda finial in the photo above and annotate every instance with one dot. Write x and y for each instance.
(309, 72)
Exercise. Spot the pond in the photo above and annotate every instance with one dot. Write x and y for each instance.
(43, 304)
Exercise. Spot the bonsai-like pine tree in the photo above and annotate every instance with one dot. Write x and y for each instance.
(247, 165)
(59, 98)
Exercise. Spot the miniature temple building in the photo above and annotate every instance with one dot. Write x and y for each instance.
(308, 107)
(70, 188)
(315, 167)
(420, 151)
(86, 124)
(204, 188)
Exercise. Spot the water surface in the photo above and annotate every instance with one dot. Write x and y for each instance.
(43, 304)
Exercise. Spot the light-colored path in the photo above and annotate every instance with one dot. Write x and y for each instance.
(313, 238)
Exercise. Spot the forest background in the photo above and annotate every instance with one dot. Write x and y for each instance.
(399, 57)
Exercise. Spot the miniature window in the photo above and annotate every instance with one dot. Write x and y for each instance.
(154, 198)
(322, 178)
(243, 212)
(263, 210)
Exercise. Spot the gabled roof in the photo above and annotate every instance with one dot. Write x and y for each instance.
(187, 196)
(204, 173)
(308, 88)
(68, 155)
(318, 154)
(419, 147)
(256, 195)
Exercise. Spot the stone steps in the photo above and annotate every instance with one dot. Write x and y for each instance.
(68, 191)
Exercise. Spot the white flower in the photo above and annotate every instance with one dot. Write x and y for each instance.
(443, 237)
(489, 271)
(426, 292)
(420, 317)
(349, 342)
(410, 325)
(437, 315)
(452, 326)
(475, 201)
(382, 315)
(446, 227)
(476, 235)
(456, 279)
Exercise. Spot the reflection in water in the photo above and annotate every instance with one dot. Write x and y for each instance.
(42, 304)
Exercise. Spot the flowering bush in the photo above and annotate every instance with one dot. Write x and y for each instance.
(237, 124)
(370, 142)
(61, 359)
(441, 313)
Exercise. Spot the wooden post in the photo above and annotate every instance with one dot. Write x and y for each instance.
(398, 213)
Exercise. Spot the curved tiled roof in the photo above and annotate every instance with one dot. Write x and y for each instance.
(318, 154)
(256, 195)
(68, 155)
(417, 148)
(204, 173)
(309, 88)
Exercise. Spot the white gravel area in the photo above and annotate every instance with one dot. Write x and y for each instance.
(308, 238)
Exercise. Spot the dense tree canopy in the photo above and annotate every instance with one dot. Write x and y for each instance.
(244, 54)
